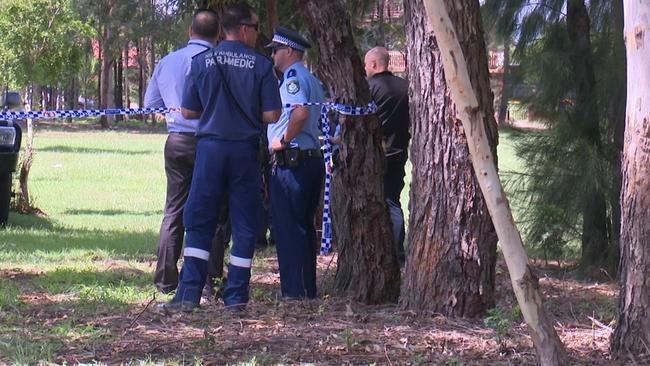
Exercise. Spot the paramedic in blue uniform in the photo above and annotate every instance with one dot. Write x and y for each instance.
(231, 89)
(165, 90)
(298, 171)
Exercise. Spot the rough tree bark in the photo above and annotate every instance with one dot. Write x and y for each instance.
(367, 262)
(549, 347)
(632, 335)
(452, 243)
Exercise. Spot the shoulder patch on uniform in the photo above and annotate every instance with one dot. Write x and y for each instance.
(292, 73)
(293, 86)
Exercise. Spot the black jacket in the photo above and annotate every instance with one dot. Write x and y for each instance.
(390, 93)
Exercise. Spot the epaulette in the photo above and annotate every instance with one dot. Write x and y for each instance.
(292, 73)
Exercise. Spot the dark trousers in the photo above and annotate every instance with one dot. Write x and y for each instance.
(295, 194)
(221, 166)
(179, 165)
(393, 185)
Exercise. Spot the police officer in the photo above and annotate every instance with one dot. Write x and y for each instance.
(166, 90)
(297, 175)
(231, 89)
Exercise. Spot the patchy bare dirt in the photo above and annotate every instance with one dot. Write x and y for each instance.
(330, 330)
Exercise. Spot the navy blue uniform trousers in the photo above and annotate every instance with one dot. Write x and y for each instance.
(295, 194)
(221, 166)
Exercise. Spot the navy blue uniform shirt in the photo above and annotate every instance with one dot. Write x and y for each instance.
(251, 80)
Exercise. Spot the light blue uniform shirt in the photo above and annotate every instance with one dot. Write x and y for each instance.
(165, 90)
(299, 86)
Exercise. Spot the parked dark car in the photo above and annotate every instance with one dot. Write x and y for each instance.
(10, 138)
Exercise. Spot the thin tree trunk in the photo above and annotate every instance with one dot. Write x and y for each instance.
(141, 78)
(118, 77)
(71, 92)
(595, 241)
(505, 89)
(272, 15)
(549, 347)
(23, 201)
(381, 4)
(125, 82)
(106, 97)
(632, 335)
(367, 262)
(452, 243)
(619, 131)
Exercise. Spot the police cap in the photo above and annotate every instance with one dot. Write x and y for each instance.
(288, 37)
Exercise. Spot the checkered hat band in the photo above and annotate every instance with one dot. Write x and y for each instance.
(287, 42)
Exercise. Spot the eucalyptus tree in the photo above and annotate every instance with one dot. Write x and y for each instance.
(632, 334)
(571, 53)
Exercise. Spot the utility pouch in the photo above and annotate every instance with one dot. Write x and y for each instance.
(292, 157)
(289, 158)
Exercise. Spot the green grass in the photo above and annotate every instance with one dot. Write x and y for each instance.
(103, 194)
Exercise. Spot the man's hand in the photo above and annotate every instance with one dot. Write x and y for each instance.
(277, 145)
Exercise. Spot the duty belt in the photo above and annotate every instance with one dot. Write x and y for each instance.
(287, 158)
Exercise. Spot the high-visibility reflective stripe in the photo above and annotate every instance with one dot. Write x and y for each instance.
(241, 262)
(197, 253)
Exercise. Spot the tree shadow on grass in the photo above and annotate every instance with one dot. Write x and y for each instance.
(31, 238)
(91, 150)
(113, 212)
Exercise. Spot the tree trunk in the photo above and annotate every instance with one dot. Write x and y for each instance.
(505, 89)
(595, 241)
(272, 15)
(23, 201)
(619, 131)
(632, 335)
(452, 243)
(125, 80)
(381, 40)
(105, 95)
(70, 93)
(525, 285)
(119, 85)
(141, 78)
(367, 262)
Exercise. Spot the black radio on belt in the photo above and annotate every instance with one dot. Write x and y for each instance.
(291, 158)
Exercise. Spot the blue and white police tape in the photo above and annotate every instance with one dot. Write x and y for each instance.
(326, 237)
(326, 240)
(78, 113)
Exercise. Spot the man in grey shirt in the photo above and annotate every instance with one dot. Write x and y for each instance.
(166, 90)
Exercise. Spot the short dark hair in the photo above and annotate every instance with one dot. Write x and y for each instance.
(236, 15)
(205, 23)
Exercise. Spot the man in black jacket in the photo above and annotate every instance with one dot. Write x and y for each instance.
(390, 93)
